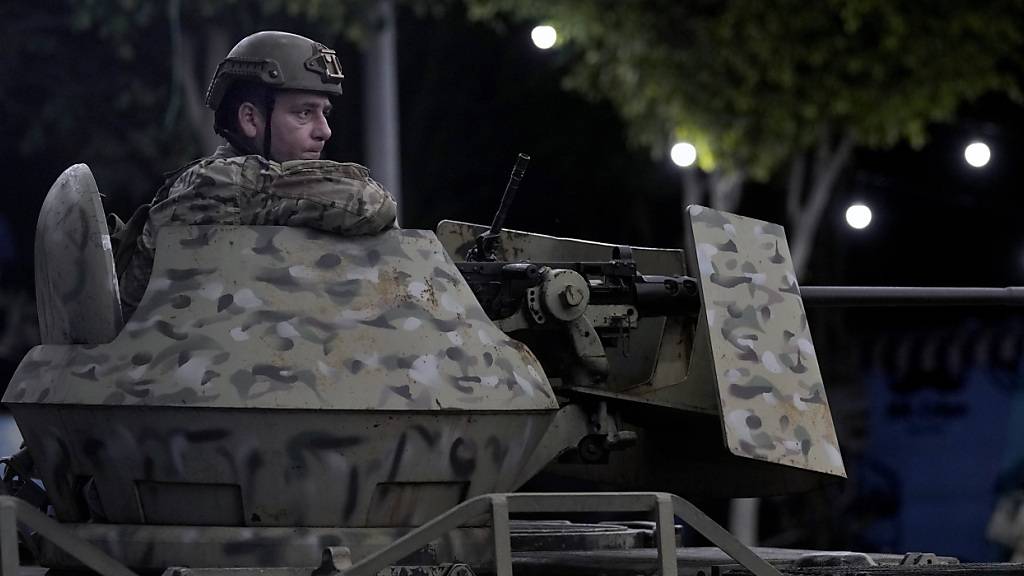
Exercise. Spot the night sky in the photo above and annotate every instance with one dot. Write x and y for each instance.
(471, 99)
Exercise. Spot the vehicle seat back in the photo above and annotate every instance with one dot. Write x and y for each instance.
(77, 296)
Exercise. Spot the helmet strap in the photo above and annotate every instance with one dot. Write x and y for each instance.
(269, 107)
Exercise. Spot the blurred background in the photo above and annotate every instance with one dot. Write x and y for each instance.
(781, 110)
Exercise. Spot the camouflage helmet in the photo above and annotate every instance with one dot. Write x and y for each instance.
(277, 60)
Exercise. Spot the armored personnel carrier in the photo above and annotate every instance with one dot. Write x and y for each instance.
(288, 400)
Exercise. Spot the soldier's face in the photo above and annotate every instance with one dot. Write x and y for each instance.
(299, 127)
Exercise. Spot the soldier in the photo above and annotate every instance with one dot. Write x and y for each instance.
(271, 96)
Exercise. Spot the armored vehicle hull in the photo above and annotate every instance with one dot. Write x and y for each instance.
(283, 377)
(280, 392)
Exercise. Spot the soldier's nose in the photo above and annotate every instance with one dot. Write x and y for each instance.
(322, 130)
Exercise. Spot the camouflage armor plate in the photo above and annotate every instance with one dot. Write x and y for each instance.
(770, 390)
(336, 337)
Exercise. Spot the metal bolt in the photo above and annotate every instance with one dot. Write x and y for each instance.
(572, 296)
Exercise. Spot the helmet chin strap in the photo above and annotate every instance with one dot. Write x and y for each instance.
(269, 107)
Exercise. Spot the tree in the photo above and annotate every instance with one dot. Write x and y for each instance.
(119, 84)
(762, 88)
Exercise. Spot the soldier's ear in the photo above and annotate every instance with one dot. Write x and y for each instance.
(250, 121)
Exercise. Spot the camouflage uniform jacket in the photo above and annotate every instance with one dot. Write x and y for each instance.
(229, 188)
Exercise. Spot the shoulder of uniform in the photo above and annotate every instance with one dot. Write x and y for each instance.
(226, 151)
(223, 152)
(213, 171)
(328, 168)
(359, 169)
(228, 163)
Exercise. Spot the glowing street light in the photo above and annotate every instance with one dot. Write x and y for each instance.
(858, 216)
(683, 154)
(977, 154)
(544, 37)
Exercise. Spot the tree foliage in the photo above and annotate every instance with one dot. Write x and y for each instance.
(752, 83)
(758, 86)
(118, 84)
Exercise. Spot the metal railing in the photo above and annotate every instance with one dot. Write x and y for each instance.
(14, 511)
(664, 507)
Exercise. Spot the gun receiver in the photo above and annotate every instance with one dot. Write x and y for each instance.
(501, 286)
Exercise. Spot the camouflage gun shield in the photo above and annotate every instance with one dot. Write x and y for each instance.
(770, 389)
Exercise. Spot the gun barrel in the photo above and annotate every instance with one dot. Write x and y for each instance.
(510, 193)
(848, 296)
(666, 295)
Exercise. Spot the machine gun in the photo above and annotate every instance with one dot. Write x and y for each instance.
(527, 293)
(597, 300)
(501, 287)
(691, 342)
